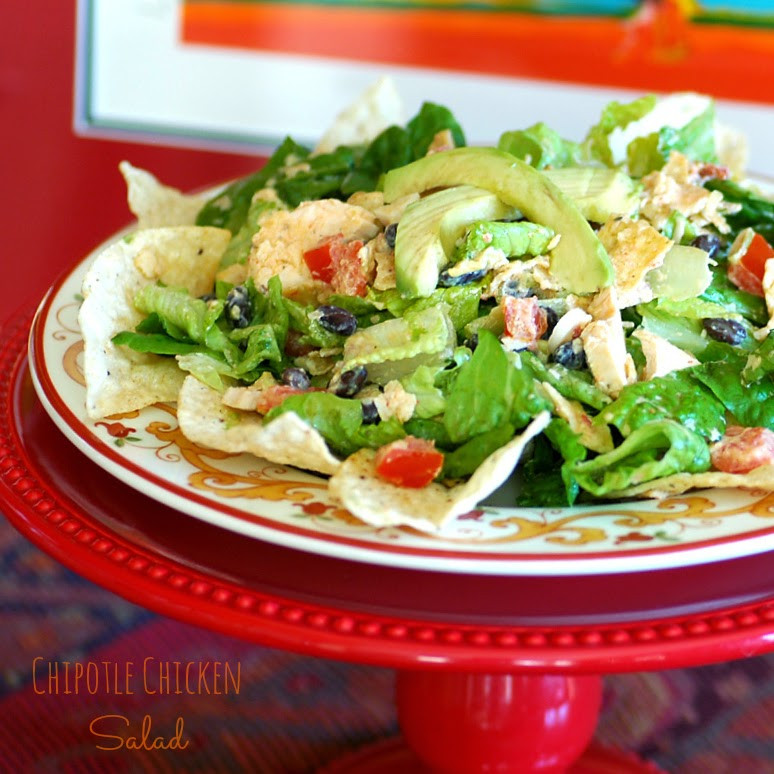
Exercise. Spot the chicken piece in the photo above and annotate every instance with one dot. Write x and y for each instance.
(279, 247)
(661, 356)
(604, 343)
(395, 402)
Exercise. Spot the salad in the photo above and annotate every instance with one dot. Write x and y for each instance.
(419, 320)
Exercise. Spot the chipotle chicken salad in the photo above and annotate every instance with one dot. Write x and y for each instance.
(419, 320)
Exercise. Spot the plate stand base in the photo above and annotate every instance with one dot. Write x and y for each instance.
(473, 723)
(393, 756)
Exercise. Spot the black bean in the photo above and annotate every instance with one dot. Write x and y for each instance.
(710, 243)
(727, 331)
(472, 342)
(239, 308)
(336, 320)
(551, 319)
(296, 377)
(389, 234)
(370, 413)
(570, 355)
(350, 382)
(514, 288)
(446, 280)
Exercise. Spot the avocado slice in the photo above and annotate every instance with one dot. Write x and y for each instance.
(599, 193)
(579, 262)
(429, 229)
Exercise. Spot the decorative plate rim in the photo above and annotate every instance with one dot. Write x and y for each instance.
(458, 558)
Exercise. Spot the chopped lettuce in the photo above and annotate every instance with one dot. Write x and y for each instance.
(465, 459)
(641, 134)
(489, 391)
(547, 479)
(652, 451)
(540, 146)
(750, 403)
(339, 421)
(678, 396)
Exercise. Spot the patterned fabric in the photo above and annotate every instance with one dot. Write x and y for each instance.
(292, 713)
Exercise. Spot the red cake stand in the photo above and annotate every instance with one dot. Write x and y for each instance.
(495, 673)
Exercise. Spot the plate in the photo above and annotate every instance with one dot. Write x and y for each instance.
(262, 500)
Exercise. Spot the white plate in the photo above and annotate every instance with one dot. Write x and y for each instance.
(282, 505)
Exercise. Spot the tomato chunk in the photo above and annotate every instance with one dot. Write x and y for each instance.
(348, 276)
(525, 320)
(273, 396)
(758, 252)
(319, 262)
(742, 449)
(410, 462)
(746, 271)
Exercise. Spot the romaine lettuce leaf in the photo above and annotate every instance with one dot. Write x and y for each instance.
(696, 140)
(751, 403)
(397, 146)
(641, 134)
(615, 115)
(228, 208)
(573, 385)
(421, 384)
(546, 478)
(676, 396)
(466, 458)
(339, 421)
(488, 391)
(660, 448)
(540, 146)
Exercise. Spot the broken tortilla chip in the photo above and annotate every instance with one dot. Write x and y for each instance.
(758, 478)
(156, 205)
(119, 379)
(377, 108)
(375, 501)
(286, 440)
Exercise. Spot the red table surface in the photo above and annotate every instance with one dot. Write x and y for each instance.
(61, 194)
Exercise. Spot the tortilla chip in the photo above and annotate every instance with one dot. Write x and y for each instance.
(286, 440)
(758, 478)
(156, 205)
(378, 107)
(117, 378)
(379, 503)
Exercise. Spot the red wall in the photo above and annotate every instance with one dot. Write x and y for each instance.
(60, 194)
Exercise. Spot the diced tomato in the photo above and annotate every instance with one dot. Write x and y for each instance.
(337, 263)
(758, 252)
(746, 272)
(319, 262)
(410, 462)
(714, 172)
(274, 395)
(349, 277)
(742, 449)
(524, 318)
(744, 279)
